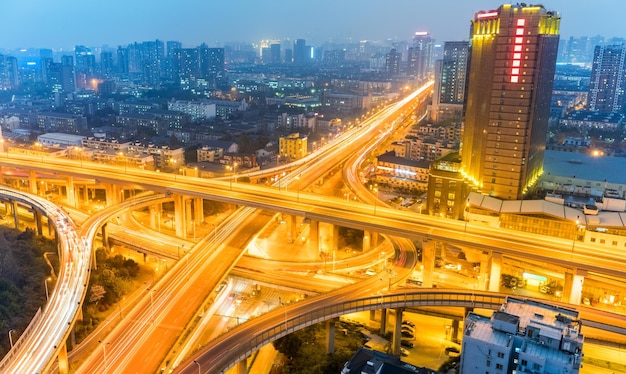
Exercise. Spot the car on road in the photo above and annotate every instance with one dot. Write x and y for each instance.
(408, 323)
(404, 352)
(407, 334)
(406, 343)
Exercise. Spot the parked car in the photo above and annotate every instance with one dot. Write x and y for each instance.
(408, 323)
(408, 329)
(406, 343)
(404, 352)
(407, 334)
(586, 301)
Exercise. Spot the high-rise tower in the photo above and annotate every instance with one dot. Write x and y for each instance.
(450, 81)
(420, 56)
(607, 89)
(512, 63)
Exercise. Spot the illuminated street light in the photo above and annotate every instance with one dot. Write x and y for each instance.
(10, 337)
(121, 154)
(104, 353)
(375, 189)
(575, 234)
(46, 285)
(467, 204)
(197, 363)
(298, 191)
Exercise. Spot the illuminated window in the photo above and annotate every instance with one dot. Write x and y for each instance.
(519, 32)
(517, 48)
(517, 56)
(521, 22)
(514, 79)
(516, 63)
(515, 71)
(519, 40)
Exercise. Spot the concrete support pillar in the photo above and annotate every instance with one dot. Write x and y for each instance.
(155, 216)
(16, 218)
(37, 217)
(485, 271)
(32, 182)
(428, 262)
(573, 287)
(334, 238)
(86, 194)
(495, 270)
(383, 321)
(105, 237)
(189, 221)
(198, 210)
(112, 195)
(291, 236)
(397, 333)
(71, 194)
(179, 216)
(367, 243)
(64, 364)
(373, 315)
(242, 366)
(314, 235)
(374, 239)
(330, 335)
(454, 331)
(467, 310)
(49, 227)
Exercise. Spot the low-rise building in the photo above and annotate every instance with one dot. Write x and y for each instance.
(524, 336)
(401, 173)
(61, 122)
(297, 122)
(198, 110)
(293, 146)
(60, 139)
(584, 119)
(367, 361)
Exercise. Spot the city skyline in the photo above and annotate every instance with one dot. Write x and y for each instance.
(35, 23)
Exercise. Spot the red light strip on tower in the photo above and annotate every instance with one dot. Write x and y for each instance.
(517, 48)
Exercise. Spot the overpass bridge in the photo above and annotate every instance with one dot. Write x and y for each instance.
(229, 349)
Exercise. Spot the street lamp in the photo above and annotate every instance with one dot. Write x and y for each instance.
(79, 150)
(375, 198)
(121, 154)
(104, 353)
(575, 235)
(466, 213)
(10, 337)
(298, 191)
(280, 301)
(46, 285)
(197, 363)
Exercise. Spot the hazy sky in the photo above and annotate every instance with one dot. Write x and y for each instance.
(65, 23)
